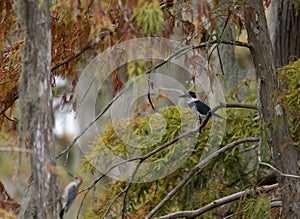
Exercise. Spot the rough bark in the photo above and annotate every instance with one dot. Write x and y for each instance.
(36, 113)
(285, 30)
(274, 118)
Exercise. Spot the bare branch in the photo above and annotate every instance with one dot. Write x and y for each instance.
(177, 53)
(217, 203)
(11, 101)
(142, 159)
(9, 81)
(88, 46)
(200, 165)
(185, 49)
(234, 105)
(146, 156)
(127, 188)
(67, 60)
(278, 171)
(81, 203)
(150, 85)
(125, 191)
(11, 149)
(88, 126)
(260, 140)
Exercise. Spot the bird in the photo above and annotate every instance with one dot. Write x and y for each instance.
(197, 106)
(70, 194)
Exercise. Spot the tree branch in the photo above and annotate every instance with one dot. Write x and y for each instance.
(234, 105)
(200, 165)
(146, 156)
(185, 49)
(88, 126)
(74, 56)
(217, 203)
(89, 45)
(142, 159)
(12, 99)
(278, 171)
(12, 149)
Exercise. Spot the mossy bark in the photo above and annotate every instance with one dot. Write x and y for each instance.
(270, 100)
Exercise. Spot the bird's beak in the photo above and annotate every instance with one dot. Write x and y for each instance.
(71, 175)
(184, 95)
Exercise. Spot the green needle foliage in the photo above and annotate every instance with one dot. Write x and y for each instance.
(231, 172)
(149, 17)
(289, 77)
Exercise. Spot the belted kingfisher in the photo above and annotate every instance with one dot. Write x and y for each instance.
(197, 106)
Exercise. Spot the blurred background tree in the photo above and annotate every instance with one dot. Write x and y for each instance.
(82, 29)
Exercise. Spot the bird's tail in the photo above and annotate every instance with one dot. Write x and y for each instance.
(61, 213)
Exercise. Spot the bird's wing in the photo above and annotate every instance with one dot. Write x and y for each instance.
(71, 194)
(202, 108)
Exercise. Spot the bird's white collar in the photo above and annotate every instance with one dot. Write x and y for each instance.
(191, 99)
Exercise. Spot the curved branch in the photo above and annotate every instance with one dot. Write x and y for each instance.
(151, 153)
(235, 105)
(142, 159)
(197, 46)
(166, 60)
(200, 165)
(217, 203)
(88, 126)
(88, 46)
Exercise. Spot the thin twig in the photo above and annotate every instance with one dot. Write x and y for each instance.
(9, 81)
(74, 56)
(218, 49)
(14, 98)
(88, 46)
(235, 105)
(279, 172)
(111, 203)
(123, 191)
(150, 84)
(89, 125)
(13, 119)
(81, 204)
(259, 150)
(11, 149)
(127, 189)
(220, 59)
(184, 49)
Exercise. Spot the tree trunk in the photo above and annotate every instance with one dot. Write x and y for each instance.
(233, 72)
(279, 138)
(284, 28)
(36, 113)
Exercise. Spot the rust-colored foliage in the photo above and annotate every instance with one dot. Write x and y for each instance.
(83, 28)
(7, 18)
(69, 36)
(9, 74)
(7, 204)
(117, 82)
(9, 63)
(205, 12)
